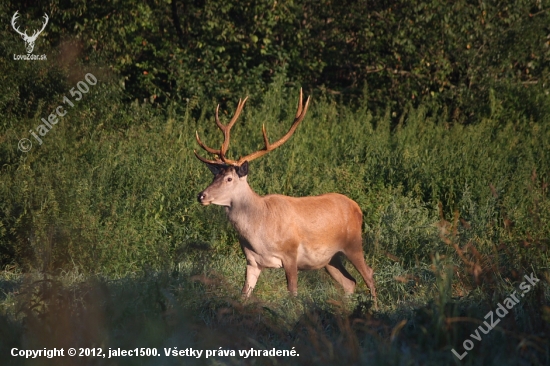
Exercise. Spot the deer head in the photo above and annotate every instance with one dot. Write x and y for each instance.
(29, 40)
(230, 175)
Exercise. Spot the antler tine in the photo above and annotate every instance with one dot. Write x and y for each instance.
(300, 115)
(215, 162)
(203, 145)
(299, 111)
(45, 24)
(13, 20)
(226, 130)
(209, 149)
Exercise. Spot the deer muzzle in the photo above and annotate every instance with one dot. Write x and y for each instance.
(202, 198)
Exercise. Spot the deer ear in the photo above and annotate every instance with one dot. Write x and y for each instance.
(215, 169)
(242, 170)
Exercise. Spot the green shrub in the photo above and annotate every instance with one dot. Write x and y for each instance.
(390, 52)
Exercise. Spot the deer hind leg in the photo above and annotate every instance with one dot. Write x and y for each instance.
(357, 259)
(336, 269)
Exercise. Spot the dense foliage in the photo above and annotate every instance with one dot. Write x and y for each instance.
(391, 52)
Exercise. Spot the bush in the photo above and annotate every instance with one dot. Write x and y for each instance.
(390, 52)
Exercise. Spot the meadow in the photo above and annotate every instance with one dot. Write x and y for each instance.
(104, 243)
(437, 126)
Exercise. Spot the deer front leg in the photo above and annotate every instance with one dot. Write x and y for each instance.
(252, 274)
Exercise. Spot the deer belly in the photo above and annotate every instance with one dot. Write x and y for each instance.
(307, 256)
(313, 258)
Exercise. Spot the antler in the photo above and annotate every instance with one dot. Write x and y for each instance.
(226, 135)
(44, 26)
(13, 19)
(300, 114)
(222, 160)
(25, 35)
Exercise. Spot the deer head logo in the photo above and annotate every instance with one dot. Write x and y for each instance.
(29, 40)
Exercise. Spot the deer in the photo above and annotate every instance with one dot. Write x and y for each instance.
(29, 40)
(277, 231)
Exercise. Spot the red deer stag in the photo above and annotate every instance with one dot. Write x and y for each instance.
(279, 231)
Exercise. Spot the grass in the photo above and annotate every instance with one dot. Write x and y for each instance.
(103, 244)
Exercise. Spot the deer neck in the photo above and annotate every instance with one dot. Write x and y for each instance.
(247, 208)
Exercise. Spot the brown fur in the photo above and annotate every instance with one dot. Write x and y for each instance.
(293, 233)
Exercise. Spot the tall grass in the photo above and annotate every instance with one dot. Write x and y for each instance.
(114, 190)
(103, 243)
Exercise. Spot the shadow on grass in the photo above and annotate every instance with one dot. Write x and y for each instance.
(175, 311)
